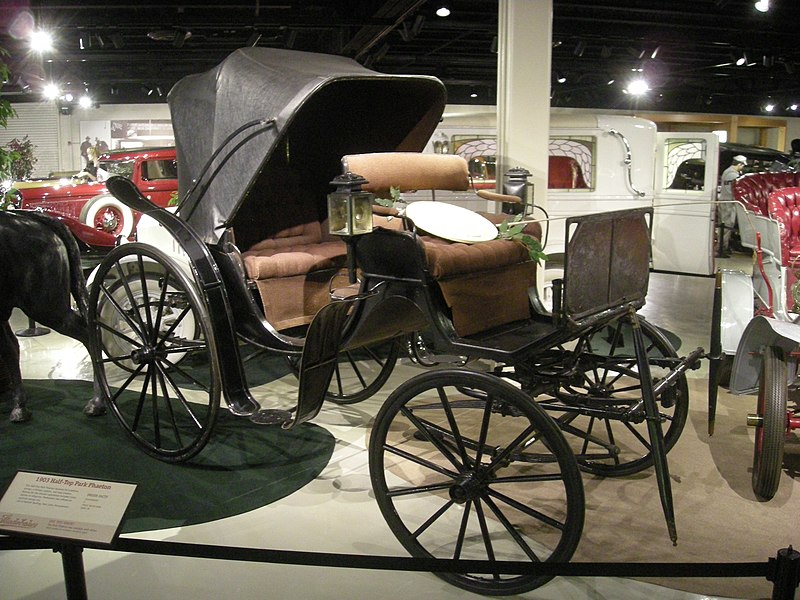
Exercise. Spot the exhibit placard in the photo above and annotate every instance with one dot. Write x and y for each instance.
(59, 506)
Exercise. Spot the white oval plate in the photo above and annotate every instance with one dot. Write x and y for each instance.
(451, 222)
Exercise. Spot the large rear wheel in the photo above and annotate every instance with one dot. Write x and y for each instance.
(601, 398)
(770, 424)
(158, 365)
(465, 466)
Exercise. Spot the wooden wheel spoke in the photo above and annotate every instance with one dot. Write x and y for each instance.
(510, 529)
(531, 512)
(420, 461)
(425, 428)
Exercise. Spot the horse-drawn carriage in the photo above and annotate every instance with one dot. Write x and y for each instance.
(472, 463)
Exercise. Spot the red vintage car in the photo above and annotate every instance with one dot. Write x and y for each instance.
(93, 215)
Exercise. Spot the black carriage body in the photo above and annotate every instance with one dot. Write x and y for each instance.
(260, 137)
(258, 140)
(606, 274)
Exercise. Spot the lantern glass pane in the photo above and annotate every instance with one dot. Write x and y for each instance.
(338, 217)
(362, 213)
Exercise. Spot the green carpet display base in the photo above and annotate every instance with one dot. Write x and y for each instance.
(243, 467)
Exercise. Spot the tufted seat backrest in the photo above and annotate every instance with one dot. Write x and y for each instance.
(753, 189)
(784, 207)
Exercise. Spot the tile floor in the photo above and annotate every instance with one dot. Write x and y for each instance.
(334, 513)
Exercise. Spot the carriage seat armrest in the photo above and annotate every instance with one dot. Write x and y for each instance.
(408, 171)
(495, 197)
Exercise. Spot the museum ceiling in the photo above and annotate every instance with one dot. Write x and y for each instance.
(720, 56)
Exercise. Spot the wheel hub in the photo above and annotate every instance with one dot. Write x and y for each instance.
(469, 486)
(109, 221)
(145, 354)
(601, 391)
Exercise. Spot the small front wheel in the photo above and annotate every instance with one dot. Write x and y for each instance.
(157, 361)
(465, 466)
(771, 427)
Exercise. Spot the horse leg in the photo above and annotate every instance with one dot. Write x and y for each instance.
(74, 326)
(9, 364)
(96, 406)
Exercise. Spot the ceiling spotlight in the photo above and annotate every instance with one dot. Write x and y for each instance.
(473, 93)
(769, 106)
(762, 6)
(443, 11)
(68, 97)
(792, 106)
(84, 101)
(41, 41)
(742, 60)
(637, 87)
(51, 91)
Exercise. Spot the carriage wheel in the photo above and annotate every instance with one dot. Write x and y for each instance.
(158, 364)
(771, 426)
(360, 372)
(465, 466)
(605, 419)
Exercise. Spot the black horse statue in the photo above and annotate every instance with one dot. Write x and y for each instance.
(40, 273)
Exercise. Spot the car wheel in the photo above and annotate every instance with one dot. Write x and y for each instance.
(108, 214)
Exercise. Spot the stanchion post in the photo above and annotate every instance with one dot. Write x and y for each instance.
(784, 573)
(74, 575)
(32, 330)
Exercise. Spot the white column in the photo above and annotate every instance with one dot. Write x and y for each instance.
(523, 89)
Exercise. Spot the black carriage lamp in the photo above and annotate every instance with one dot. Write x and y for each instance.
(349, 213)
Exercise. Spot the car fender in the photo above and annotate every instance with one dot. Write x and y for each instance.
(761, 332)
(737, 308)
(88, 235)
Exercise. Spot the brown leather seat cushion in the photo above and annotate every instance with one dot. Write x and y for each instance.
(446, 259)
(296, 250)
(286, 261)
